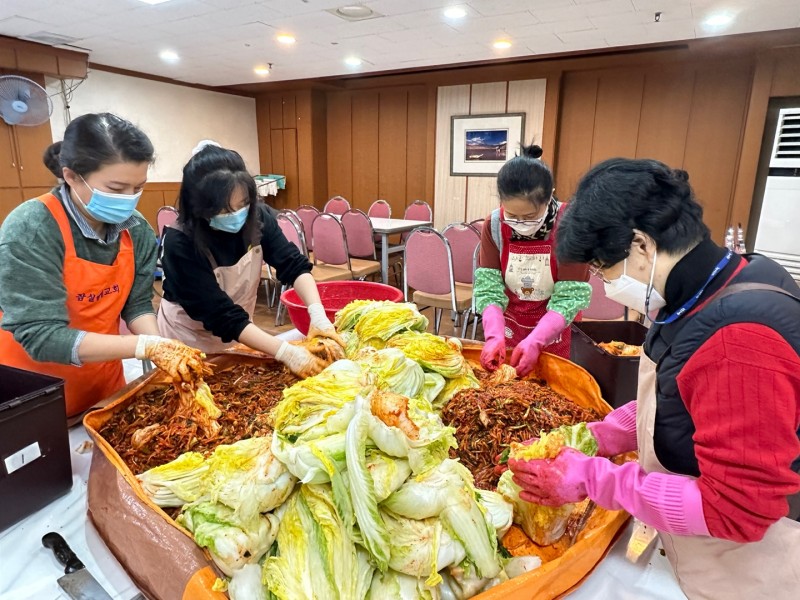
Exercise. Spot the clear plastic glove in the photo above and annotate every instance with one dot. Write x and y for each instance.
(670, 503)
(494, 332)
(321, 325)
(526, 354)
(299, 360)
(179, 361)
(616, 434)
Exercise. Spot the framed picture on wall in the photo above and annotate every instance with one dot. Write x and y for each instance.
(481, 144)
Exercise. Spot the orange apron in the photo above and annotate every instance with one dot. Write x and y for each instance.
(96, 295)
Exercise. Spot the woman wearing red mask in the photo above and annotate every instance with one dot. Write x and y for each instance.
(526, 297)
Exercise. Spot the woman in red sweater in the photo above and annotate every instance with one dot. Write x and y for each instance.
(718, 411)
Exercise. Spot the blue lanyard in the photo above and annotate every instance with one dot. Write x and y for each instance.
(693, 300)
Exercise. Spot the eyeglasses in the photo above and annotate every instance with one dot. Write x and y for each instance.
(524, 221)
(598, 272)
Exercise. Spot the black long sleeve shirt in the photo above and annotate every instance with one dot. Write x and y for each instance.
(189, 278)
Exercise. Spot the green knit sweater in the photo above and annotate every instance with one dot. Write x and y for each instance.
(32, 293)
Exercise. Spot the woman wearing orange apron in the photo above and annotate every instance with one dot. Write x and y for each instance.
(213, 258)
(717, 419)
(527, 299)
(75, 261)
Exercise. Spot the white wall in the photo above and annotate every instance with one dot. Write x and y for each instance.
(175, 117)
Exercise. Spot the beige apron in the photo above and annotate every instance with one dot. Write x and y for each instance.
(239, 281)
(712, 568)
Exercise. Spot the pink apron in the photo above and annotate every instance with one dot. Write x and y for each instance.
(712, 568)
(239, 281)
(530, 271)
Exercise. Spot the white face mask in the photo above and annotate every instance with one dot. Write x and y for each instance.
(526, 228)
(633, 293)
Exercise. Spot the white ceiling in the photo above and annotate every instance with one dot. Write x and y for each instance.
(219, 42)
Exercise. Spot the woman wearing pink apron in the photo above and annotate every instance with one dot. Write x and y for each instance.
(717, 419)
(213, 258)
(526, 298)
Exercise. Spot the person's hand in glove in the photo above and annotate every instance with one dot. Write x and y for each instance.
(321, 325)
(616, 434)
(299, 360)
(494, 332)
(670, 503)
(526, 354)
(179, 361)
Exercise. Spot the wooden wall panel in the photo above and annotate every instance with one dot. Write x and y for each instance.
(319, 153)
(528, 96)
(365, 119)
(487, 98)
(340, 149)
(417, 158)
(713, 144)
(276, 112)
(10, 198)
(576, 132)
(264, 141)
(289, 198)
(664, 121)
(31, 144)
(393, 138)
(786, 79)
(450, 194)
(304, 147)
(149, 204)
(616, 120)
(277, 165)
(289, 111)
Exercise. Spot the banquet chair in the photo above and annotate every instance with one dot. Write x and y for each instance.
(419, 210)
(601, 308)
(464, 240)
(478, 225)
(307, 214)
(332, 250)
(381, 209)
(428, 270)
(166, 216)
(336, 206)
(293, 232)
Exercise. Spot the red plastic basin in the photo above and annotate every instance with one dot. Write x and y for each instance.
(335, 295)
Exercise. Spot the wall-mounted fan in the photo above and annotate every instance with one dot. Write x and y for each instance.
(23, 102)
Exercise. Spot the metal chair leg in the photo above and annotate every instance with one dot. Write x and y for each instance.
(467, 314)
(475, 327)
(437, 320)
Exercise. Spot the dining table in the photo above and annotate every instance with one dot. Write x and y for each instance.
(387, 227)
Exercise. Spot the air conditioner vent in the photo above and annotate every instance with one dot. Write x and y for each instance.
(786, 150)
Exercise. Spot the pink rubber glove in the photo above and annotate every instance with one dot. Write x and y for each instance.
(494, 332)
(670, 503)
(527, 352)
(616, 433)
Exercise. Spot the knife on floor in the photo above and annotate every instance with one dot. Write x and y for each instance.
(77, 582)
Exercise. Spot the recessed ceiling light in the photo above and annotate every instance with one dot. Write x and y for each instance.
(261, 71)
(353, 61)
(287, 39)
(718, 20)
(153, 1)
(455, 12)
(502, 44)
(169, 56)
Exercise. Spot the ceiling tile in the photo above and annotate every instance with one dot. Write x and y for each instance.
(492, 7)
(399, 7)
(20, 26)
(517, 19)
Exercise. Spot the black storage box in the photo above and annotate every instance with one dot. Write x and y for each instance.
(616, 375)
(35, 464)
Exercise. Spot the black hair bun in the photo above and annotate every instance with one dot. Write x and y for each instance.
(52, 159)
(680, 175)
(532, 151)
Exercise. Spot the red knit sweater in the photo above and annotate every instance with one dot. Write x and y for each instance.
(742, 389)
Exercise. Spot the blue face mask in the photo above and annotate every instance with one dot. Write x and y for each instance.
(230, 222)
(107, 207)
